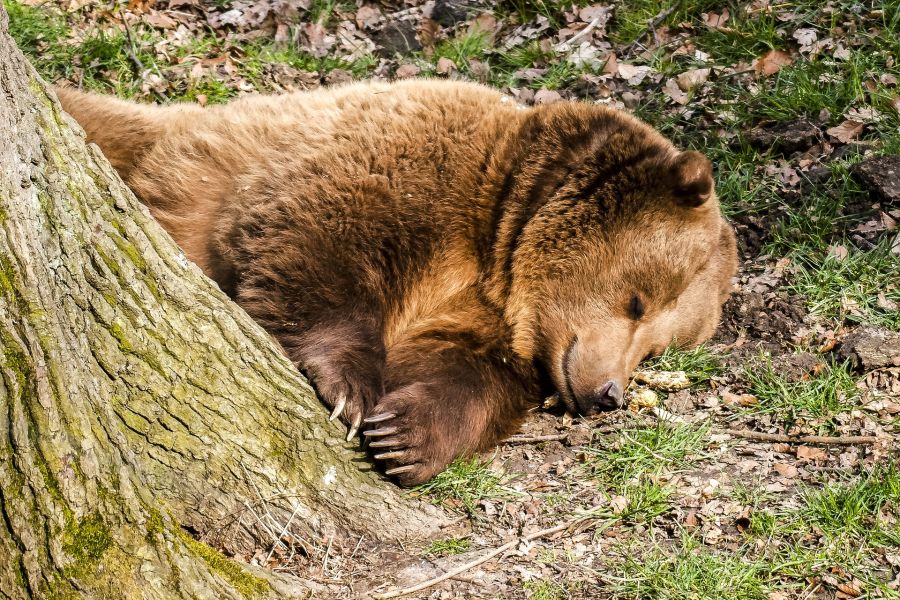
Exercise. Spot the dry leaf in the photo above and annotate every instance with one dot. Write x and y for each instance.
(717, 20)
(846, 131)
(160, 20)
(772, 62)
(693, 78)
(612, 67)
(367, 16)
(543, 96)
(810, 453)
(406, 71)
(674, 92)
(785, 470)
(445, 66)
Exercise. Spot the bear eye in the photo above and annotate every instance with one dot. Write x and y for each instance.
(636, 308)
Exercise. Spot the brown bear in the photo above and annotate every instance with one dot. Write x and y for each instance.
(432, 256)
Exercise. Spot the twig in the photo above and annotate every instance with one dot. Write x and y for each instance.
(472, 564)
(847, 440)
(568, 45)
(651, 26)
(531, 439)
(327, 552)
(132, 53)
(283, 531)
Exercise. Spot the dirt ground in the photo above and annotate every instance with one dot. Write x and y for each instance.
(709, 485)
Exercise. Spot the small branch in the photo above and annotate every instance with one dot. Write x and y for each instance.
(651, 27)
(130, 50)
(532, 439)
(847, 440)
(472, 564)
(568, 45)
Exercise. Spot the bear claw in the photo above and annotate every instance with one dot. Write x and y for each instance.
(389, 455)
(354, 427)
(338, 408)
(384, 443)
(379, 418)
(381, 431)
(398, 470)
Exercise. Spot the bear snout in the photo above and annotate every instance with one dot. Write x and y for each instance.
(581, 383)
(607, 397)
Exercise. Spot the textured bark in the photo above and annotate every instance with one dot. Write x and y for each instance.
(137, 402)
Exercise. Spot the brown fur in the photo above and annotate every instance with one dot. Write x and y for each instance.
(431, 254)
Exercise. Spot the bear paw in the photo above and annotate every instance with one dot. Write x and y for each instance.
(408, 435)
(350, 395)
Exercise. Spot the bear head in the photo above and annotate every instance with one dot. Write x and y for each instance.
(616, 249)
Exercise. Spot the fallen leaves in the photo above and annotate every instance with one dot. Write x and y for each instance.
(846, 131)
(772, 62)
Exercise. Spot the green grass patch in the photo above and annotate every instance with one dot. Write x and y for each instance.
(690, 570)
(449, 547)
(699, 364)
(818, 398)
(466, 482)
(640, 452)
(545, 589)
(848, 288)
(855, 509)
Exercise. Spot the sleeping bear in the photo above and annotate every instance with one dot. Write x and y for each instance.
(433, 257)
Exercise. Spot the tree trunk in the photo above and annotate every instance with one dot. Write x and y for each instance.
(137, 403)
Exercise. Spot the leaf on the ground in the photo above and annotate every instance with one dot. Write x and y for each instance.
(846, 131)
(806, 37)
(810, 453)
(445, 66)
(785, 470)
(160, 20)
(544, 96)
(839, 252)
(689, 80)
(673, 91)
(634, 74)
(612, 67)
(771, 62)
(718, 20)
(407, 70)
(618, 504)
(367, 16)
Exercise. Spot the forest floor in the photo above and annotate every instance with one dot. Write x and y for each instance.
(797, 104)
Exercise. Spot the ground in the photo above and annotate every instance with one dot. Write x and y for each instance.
(797, 104)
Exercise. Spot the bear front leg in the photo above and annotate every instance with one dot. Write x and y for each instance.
(344, 365)
(338, 348)
(445, 399)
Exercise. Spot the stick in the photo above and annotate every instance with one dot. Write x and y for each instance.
(530, 439)
(848, 440)
(569, 43)
(130, 50)
(469, 565)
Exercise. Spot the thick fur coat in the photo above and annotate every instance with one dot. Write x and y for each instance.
(432, 256)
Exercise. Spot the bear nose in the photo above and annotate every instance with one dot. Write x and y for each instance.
(607, 397)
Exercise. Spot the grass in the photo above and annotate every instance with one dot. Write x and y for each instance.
(640, 452)
(449, 547)
(815, 400)
(466, 482)
(854, 509)
(863, 287)
(689, 570)
(545, 589)
(699, 364)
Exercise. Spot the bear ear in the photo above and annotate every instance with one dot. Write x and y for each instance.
(692, 179)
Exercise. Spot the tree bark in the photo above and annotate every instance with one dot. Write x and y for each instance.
(137, 403)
